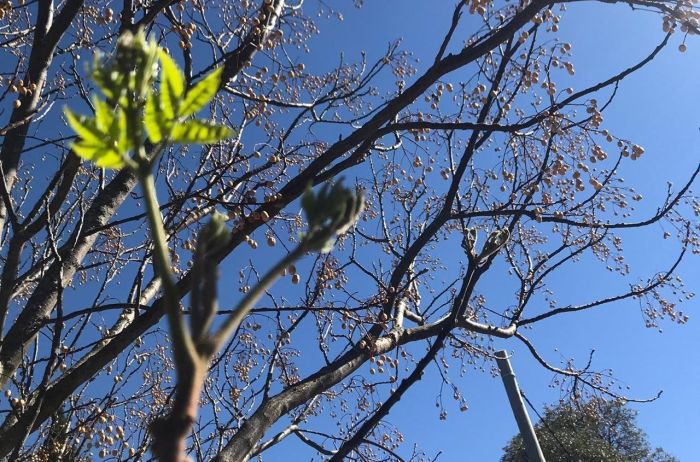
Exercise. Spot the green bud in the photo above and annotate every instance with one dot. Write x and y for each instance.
(330, 213)
(495, 241)
(471, 235)
(215, 235)
(130, 72)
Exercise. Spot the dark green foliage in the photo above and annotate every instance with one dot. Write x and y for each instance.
(596, 431)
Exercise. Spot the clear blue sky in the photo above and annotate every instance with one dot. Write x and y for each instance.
(657, 108)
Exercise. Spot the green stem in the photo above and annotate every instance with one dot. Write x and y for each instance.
(183, 347)
(251, 298)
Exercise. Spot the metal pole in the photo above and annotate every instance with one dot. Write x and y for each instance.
(532, 446)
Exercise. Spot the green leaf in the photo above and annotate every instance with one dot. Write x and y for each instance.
(102, 156)
(153, 119)
(124, 141)
(199, 131)
(203, 92)
(98, 137)
(84, 127)
(172, 73)
(172, 86)
(104, 116)
(102, 75)
(107, 120)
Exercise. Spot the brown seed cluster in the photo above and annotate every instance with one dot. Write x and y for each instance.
(5, 8)
(185, 31)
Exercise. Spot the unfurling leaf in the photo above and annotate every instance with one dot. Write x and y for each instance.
(102, 156)
(212, 238)
(172, 87)
(494, 242)
(330, 213)
(154, 121)
(133, 110)
(103, 76)
(471, 235)
(99, 139)
(129, 73)
(84, 127)
(104, 117)
(203, 92)
(198, 131)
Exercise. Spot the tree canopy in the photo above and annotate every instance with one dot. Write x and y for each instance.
(593, 431)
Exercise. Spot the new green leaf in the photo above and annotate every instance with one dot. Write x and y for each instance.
(102, 156)
(172, 86)
(199, 95)
(85, 127)
(199, 131)
(100, 138)
(104, 117)
(153, 119)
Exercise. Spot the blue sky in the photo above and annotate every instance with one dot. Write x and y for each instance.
(658, 109)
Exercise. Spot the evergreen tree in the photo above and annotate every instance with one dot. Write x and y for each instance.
(595, 431)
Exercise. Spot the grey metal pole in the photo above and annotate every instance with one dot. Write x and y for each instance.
(532, 446)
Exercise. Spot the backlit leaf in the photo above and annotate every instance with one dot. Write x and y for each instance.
(154, 120)
(197, 131)
(203, 92)
(172, 86)
(84, 127)
(102, 156)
